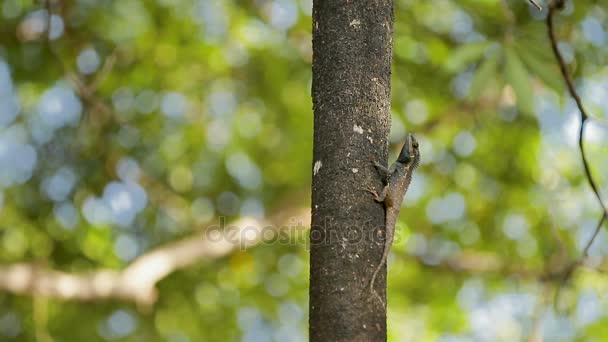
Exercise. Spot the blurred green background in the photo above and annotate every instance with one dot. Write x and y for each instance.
(134, 124)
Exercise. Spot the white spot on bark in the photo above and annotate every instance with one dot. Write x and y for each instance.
(370, 139)
(355, 170)
(317, 167)
(358, 129)
(356, 23)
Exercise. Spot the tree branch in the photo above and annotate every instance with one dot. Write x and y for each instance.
(475, 262)
(554, 6)
(137, 282)
(538, 7)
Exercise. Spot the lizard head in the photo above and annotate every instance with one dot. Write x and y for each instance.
(410, 152)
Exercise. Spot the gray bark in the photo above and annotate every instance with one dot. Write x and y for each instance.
(352, 55)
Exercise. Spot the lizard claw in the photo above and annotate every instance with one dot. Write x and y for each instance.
(371, 190)
(375, 163)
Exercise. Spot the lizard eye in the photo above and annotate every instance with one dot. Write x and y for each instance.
(415, 145)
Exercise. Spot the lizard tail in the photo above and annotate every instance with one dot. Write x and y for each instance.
(371, 284)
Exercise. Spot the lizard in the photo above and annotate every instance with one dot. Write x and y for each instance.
(396, 180)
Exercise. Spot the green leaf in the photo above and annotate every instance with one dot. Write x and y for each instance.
(485, 73)
(538, 45)
(517, 76)
(547, 71)
(465, 55)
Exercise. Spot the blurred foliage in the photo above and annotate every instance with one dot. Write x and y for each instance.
(139, 122)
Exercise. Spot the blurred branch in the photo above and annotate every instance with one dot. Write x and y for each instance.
(595, 233)
(85, 91)
(508, 14)
(137, 282)
(554, 6)
(538, 7)
(88, 94)
(536, 332)
(108, 64)
(475, 262)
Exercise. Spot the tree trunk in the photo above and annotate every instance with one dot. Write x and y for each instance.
(351, 87)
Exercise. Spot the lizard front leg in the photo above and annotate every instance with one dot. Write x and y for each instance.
(384, 172)
(378, 197)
